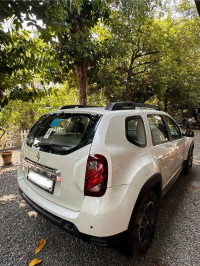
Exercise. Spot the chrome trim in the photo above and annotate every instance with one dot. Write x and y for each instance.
(38, 168)
(50, 173)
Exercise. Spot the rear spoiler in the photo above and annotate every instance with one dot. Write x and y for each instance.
(197, 2)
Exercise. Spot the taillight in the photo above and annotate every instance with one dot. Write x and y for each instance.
(96, 176)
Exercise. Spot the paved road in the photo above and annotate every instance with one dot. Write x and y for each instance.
(176, 241)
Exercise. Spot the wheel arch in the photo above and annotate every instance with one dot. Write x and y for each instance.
(191, 146)
(154, 183)
(190, 149)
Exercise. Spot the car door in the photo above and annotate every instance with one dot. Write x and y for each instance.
(162, 147)
(178, 142)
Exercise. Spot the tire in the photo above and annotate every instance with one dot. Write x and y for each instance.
(188, 167)
(185, 124)
(142, 226)
(198, 117)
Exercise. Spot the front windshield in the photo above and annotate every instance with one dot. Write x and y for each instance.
(62, 133)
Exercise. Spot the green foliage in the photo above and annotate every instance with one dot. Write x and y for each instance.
(135, 49)
(176, 76)
(22, 116)
(123, 50)
(69, 27)
(157, 56)
(27, 67)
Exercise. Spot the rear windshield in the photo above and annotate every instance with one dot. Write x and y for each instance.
(62, 133)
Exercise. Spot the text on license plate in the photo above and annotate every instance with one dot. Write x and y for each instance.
(41, 181)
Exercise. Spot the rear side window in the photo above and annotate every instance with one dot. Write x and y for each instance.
(135, 131)
(62, 133)
(158, 129)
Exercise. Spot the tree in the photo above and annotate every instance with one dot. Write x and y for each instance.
(69, 27)
(176, 77)
(26, 67)
(27, 64)
(126, 75)
(168, 62)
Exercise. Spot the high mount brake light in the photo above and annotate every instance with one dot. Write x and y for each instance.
(96, 176)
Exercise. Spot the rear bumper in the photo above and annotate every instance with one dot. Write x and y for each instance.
(72, 229)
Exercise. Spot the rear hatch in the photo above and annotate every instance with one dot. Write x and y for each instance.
(55, 156)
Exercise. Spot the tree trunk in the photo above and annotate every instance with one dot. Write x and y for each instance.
(82, 79)
(165, 102)
(1, 97)
(128, 86)
(129, 77)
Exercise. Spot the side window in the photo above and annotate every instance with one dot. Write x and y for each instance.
(135, 131)
(173, 128)
(158, 129)
(195, 110)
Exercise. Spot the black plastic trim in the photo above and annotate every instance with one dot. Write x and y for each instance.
(150, 184)
(72, 229)
(197, 2)
(189, 151)
(128, 106)
(75, 106)
(154, 183)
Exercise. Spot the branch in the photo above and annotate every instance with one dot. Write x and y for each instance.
(143, 71)
(122, 69)
(145, 63)
(140, 72)
(139, 39)
(148, 53)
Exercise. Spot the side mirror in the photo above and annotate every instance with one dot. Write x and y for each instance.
(188, 133)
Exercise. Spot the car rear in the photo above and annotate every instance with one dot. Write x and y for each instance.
(75, 171)
(62, 180)
(54, 158)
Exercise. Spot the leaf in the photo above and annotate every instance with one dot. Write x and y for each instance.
(34, 262)
(2, 203)
(40, 245)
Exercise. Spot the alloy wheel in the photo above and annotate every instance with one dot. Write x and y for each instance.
(148, 223)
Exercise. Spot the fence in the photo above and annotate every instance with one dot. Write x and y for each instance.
(13, 139)
(23, 135)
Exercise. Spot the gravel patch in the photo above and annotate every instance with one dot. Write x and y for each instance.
(176, 241)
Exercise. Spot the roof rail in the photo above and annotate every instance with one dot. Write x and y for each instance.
(75, 106)
(129, 106)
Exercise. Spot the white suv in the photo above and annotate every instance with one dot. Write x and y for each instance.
(99, 173)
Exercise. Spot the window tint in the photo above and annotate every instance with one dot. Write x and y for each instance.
(173, 128)
(135, 132)
(62, 133)
(158, 129)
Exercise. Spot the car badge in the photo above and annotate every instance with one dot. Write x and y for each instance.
(38, 156)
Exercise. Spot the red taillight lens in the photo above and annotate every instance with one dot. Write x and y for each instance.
(96, 176)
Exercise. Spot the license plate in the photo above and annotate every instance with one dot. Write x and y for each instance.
(41, 181)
